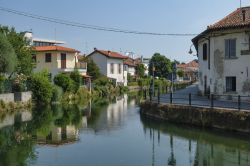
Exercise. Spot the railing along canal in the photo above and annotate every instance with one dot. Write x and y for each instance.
(211, 100)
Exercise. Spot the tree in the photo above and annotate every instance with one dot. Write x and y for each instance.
(162, 65)
(180, 73)
(140, 70)
(41, 87)
(64, 81)
(22, 49)
(93, 70)
(7, 55)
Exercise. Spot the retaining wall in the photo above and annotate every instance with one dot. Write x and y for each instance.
(204, 117)
(16, 97)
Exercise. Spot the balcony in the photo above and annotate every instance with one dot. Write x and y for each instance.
(80, 66)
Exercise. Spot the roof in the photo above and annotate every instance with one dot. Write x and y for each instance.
(131, 62)
(238, 19)
(109, 54)
(54, 48)
(192, 64)
(235, 19)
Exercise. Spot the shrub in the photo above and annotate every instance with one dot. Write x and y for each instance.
(2, 79)
(41, 87)
(76, 77)
(57, 93)
(64, 81)
(102, 81)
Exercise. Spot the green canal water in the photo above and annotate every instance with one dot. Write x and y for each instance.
(112, 133)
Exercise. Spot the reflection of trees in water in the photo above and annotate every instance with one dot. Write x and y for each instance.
(208, 147)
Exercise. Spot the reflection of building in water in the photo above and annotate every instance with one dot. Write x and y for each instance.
(208, 154)
(113, 116)
(117, 111)
(59, 136)
(11, 119)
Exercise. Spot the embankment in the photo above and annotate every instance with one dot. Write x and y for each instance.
(204, 117)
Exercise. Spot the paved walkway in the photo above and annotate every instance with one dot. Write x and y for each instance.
(182, 97)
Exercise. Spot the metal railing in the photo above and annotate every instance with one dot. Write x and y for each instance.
(212, 100)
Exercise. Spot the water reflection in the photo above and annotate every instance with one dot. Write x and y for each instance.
(28, 138)
(199, 147)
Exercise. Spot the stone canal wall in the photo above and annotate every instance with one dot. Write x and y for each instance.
(204, 117)
(16, 97)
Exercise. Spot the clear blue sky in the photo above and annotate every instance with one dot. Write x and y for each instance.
(162, 16)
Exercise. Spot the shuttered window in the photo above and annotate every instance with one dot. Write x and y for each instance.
(230, 48)
(48, 57)
(205, 51)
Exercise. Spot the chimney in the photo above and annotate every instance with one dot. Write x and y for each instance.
(243, 15)
(109, 52)
(95, 48)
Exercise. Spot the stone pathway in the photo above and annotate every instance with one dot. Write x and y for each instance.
(182, 97)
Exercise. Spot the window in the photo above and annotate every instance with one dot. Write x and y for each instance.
(48, 57)
(230, 84)
(120, 68)
(204, 51)
(230, 48)
(112, 68)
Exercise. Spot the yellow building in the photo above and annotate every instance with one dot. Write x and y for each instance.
(58, 59)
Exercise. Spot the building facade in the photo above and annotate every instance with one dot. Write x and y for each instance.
(223, 51)
(111, 64)
(190, 71)
(58, 59)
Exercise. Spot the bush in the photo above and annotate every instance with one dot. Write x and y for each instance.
(132, 83)
(57, 93)
(64, 81)
(41, 87)
(76, 77)
(2, 79)
(102, 81)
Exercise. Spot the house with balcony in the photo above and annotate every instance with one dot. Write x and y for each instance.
(224, 54)
(58, 59)
(111, 64)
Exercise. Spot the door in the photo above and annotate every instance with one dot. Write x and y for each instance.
(63, 61)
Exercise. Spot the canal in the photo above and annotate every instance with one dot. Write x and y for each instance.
(112, 132)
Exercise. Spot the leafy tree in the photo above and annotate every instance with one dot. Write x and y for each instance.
(140, 70)
(21, 48)
(93, 70)
(64, 81)
(7, 55)
(76, 77)
(180, 73)
(41, 87)
(162, 66)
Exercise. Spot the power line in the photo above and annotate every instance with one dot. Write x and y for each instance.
(87, 26)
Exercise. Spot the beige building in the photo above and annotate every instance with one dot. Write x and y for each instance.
(58, 59)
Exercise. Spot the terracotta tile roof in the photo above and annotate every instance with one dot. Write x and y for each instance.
(235, 19)
(110, 54)
(192, 64)
(232, 21)
(54, 48)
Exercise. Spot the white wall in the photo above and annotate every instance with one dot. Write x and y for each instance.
(101, 62)
(222, 68)
(104, 64)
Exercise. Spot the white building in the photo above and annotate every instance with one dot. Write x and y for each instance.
(40, 42)
(224, 55)
(130, 66)
(111, 65)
